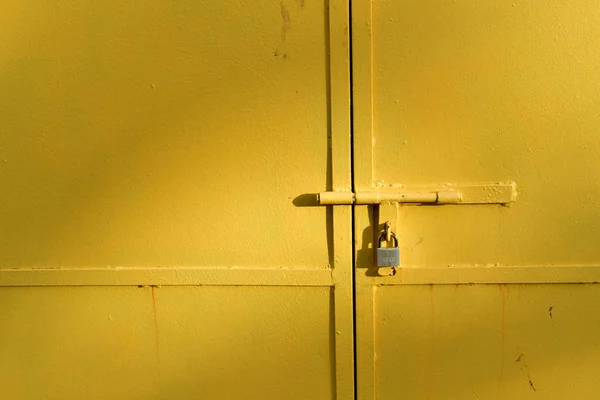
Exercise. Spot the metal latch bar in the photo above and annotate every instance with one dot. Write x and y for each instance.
(495, 193)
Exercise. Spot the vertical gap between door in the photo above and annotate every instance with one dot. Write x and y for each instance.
(353, 266)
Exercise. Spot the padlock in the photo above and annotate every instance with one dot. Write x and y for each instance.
(388, 256)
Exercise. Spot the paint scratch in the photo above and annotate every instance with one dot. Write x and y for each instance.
(531, 385)
(525, 368)
(550, 311)
(155, 317)
(285, 16)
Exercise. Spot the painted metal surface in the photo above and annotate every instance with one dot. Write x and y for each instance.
(469, 92)
(153, 243)
(465, 92)
(487, 341)
(218, 342)
(131, 130)
(149, 143)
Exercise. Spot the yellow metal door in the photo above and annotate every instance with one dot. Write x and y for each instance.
(151, 246)
(491, 302)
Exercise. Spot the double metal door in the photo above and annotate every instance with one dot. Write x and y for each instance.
(161, 237)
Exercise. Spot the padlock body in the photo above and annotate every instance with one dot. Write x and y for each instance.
(388, 257)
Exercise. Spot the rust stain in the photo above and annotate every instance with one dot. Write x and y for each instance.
(285, 16)
(432, 304)
(432, 341)
(502, 324)
(157, 341)
(155, 317)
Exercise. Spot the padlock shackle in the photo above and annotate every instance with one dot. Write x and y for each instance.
(382, 237)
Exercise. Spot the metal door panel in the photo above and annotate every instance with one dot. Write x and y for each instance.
(144, 134)
(165, 144)
(487, 341)
(166, 342)
(451, 93)
(489, 92)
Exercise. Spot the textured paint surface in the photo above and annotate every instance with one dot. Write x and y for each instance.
(470, 92)
(153, 134)
(179, 134)
(165, 143)
(487, 342)
(484, 92)
(166, 343)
